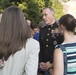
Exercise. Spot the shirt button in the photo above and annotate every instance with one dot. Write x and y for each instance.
(47, 33)
(48, 28)
(47, 40)
(46, 45)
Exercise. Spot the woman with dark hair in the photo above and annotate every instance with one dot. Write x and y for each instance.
(18, 51)
(65, 53)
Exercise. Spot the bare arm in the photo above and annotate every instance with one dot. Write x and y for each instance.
(58, 63)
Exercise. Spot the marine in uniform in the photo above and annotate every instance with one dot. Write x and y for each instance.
(49, 37)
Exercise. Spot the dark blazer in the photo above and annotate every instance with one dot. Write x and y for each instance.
(49, 37)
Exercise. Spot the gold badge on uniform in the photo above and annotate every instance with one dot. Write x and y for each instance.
(47, 33)
(53, 32)
(55, 42)
(48, 28)
(46, 45)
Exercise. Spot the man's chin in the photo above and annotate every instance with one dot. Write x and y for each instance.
(47, 23)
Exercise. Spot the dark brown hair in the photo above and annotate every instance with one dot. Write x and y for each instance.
(34, 25)
(14, 31)
(68, 21)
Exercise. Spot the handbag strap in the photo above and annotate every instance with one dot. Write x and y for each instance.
(65, 58)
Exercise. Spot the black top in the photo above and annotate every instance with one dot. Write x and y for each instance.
(49, 37)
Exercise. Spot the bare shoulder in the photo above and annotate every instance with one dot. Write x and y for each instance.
(58, 53)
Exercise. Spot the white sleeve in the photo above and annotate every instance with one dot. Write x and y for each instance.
(31, 65)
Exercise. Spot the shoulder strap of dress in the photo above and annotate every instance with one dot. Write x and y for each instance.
(65, 58)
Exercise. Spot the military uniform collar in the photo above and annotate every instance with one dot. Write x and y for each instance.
(49, 25)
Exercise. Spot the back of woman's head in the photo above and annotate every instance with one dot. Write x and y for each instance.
(14, 31)
(68, 21)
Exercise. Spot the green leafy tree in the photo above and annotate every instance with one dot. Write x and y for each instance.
(32, 8)
(57, 7)
(4, 4)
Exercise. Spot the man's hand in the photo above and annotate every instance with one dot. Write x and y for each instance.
(43, 66)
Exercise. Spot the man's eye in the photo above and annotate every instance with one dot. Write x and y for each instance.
(44, 15)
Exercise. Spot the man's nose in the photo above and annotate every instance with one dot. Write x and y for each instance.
(43, 17)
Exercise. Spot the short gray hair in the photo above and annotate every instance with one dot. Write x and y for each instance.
(51, 9)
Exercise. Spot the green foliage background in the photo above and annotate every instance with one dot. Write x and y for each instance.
(32, 8)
